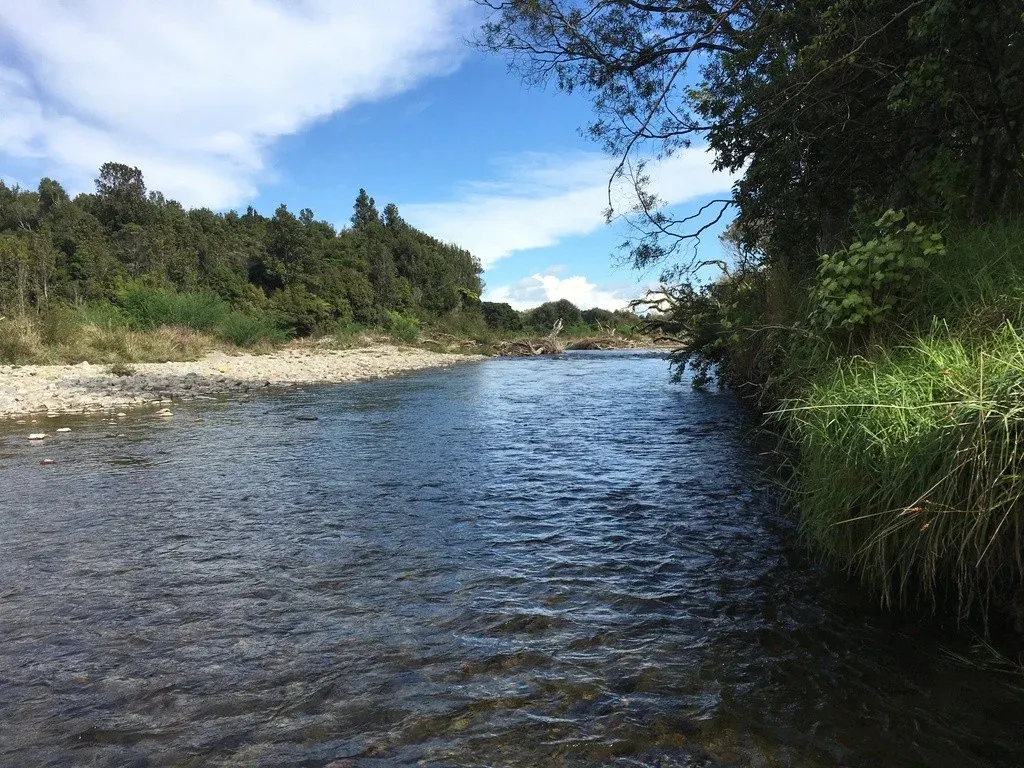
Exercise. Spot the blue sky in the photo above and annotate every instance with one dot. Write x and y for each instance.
(228, 103)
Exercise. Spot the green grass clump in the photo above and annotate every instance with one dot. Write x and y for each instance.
(148, 308)
(249, 330)
(911, 467)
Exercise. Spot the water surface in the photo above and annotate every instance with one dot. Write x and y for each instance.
(561, 561)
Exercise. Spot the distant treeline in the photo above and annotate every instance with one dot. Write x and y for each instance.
(127, 248)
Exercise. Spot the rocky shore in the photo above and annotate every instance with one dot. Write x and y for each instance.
(87, 387)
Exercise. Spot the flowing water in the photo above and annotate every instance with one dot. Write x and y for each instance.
(563, 561)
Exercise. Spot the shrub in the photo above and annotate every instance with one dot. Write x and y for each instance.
(249, 330)
(544, 317)
(501, 316)
(19, 341)
(198, 311)
(861, 285)
(58, 325)
(305, 313)
(402, 327)
(148, 308)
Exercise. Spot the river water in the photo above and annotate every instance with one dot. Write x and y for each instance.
(563, 561)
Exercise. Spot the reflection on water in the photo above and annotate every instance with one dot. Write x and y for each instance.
(521, 562)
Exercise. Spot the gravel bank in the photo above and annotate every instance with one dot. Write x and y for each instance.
(85, 387)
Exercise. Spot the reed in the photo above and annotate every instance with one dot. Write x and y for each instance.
(911, 467)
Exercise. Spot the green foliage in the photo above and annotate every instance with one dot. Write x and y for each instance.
(295, 307)
(57, 324)
(501, 316)
(911, 467)
(103, 314)
(403, 328)
(249, 330)
(163, 265)
(149, 307)
(862, 285)
(544, 317)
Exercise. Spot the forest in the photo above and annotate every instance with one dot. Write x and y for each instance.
(83, 277)
(871, 300)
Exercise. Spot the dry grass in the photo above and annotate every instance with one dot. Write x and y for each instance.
(26, 341)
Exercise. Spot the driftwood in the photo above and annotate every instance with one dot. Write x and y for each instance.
(549, 345)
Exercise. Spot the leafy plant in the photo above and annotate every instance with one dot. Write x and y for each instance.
(403, 327)
(861, 285)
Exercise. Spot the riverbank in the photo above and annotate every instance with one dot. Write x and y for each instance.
(88, 387)
(900, 404)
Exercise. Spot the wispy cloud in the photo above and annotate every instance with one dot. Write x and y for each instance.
(540, 200)
(195, 91)
(548, 286)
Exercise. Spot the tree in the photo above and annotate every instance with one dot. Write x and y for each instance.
(829, 110)
(121, 196)
(296, 269)
(544, 317)
(364, 212)
(501, 316)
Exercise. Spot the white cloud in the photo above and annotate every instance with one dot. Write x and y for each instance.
(194, 91)
(543, 199)
(540, 287)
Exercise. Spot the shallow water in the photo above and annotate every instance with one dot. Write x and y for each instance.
(519, 562)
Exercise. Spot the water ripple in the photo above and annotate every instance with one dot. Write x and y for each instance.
(523, 562)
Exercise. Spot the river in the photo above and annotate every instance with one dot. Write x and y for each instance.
(560, 561)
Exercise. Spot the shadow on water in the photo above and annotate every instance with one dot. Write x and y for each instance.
(522, 562)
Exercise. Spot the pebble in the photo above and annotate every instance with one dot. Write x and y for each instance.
(64, 429)
(38, 436)
(47, 462)
(83, 387)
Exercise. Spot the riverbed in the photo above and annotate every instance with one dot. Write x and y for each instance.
(518, 562)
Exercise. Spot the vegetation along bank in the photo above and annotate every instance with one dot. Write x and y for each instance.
(123, 275)
(871, 300)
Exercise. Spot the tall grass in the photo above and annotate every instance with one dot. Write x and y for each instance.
(249, 330)
(911, 468)
(35, 340)
(148, 308)
(909, 461)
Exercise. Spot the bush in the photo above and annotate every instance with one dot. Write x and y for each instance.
(862, 285)
(198, 311)
(544, 317)
(466, 324)
(58, 325)
(148, 308)
(249, 330)
(19, 341)
(402, 327)
(296, 308)
(501, 316)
